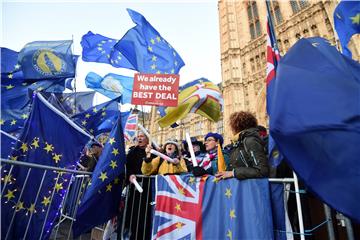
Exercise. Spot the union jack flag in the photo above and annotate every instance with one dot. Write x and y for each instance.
(273, 57)
(130, 127)
(178, 213)
(205, 208)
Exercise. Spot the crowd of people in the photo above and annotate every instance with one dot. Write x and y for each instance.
(245, 158)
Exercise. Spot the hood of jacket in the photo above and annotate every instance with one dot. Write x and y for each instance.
(246, 133)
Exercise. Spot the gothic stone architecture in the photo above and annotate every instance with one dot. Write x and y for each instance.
(243, 55)
(243, 46)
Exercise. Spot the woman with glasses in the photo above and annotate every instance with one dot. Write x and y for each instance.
(215, 159)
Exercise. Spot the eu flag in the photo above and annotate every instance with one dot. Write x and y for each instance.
(200, 96)
(15, 101)
(10, 68)
(316, 121)
(32, 199)
(98, 119)
(347, 22)
(98, 48)
(203, 208)
(272, 59)
(146, 50)
(7, 144)
(71, 103)
(9, 60)
(111, 85)
(47, 59)
(101, 199)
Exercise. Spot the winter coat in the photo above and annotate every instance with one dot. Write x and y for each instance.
(134, 160)
(248, 158)
(160, 166)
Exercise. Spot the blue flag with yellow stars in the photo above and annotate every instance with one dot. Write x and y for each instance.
(47, 59)
(206, 208)
(315, 121)
(101, 199)
(15, 101)
(146, 50)
(10, 57)
(111, 85)
(98, 119)
(347, 22)
(7, 144)
(10, 68)
(31, 199)
(71, 103)
(98, 48)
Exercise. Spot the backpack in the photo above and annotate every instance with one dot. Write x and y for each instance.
(240, 152)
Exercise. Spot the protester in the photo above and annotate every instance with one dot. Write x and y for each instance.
(214, 156)
(199, 151)
(89, 160)
(158, 165)
(248, 158)
(137, 202)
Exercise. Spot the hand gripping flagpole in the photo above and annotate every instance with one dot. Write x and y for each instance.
(163, 156)
(191, 150)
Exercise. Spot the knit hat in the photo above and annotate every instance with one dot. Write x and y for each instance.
(172, 141)
(216, 136)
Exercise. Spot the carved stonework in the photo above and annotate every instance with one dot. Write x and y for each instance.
(244, 86)
(313, 20)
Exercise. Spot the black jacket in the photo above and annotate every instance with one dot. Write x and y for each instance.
(248, 158)
(134, 160)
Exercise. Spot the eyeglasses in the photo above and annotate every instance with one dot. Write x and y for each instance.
(209, 140)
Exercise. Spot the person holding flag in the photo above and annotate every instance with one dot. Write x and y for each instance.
(215, 160)
(158, 165)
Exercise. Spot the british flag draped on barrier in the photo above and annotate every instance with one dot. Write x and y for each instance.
(203, 208)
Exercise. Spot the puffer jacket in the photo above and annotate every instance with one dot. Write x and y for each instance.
(159, 166)
(248, 158)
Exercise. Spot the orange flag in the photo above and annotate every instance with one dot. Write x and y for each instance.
(221, 160)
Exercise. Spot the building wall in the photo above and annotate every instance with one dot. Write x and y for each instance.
(243, 58)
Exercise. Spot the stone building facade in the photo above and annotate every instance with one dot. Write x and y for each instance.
(243, 55)
(243, 46)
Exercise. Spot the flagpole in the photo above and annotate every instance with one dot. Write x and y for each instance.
(152, 121)
(271, 24)
(296, 183)
(72, 37)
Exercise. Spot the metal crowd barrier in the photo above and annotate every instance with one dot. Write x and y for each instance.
(69, 204)
(133, 225)
(134, 222)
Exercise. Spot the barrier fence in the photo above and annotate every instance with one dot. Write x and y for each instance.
(133, 222)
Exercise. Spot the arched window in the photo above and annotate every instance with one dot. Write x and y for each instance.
(297, 5)
(276, 16)
(254, 23)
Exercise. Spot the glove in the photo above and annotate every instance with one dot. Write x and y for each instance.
(198, 171)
